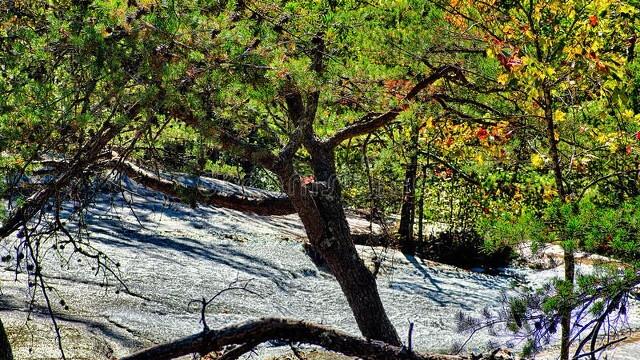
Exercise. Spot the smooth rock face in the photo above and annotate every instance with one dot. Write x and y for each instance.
(181, 254)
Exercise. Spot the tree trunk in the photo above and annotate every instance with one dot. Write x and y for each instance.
(569, 258)
(5, 347)
(421, 205)
(319, 206)
(408, 210)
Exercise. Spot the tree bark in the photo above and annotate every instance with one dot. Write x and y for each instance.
(227, 196)
(5, 347)
(421, 205)
(319, 206)
(408, 209)
(276, 204)
(262, 330)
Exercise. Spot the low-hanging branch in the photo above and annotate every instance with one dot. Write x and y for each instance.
(262, 203)
(246, 336)
(86, 156)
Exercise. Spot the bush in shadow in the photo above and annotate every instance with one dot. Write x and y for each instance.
(464, 249)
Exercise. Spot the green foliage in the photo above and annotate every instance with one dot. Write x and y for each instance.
(197, 72)
(587, 225)
(509, 229)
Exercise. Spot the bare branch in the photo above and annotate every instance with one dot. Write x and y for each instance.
(278, 204)
(265, 329)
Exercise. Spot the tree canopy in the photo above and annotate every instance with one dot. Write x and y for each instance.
(510, 121)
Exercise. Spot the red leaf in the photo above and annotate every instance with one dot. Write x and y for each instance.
(638, 136)
(628, 149)
(482, 134)
(602, 67)
(449, 141)
(514, 61)
(593, 20)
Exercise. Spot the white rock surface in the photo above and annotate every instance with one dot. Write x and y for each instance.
(181, 254)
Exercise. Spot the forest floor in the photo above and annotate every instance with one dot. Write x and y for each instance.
(170, 254)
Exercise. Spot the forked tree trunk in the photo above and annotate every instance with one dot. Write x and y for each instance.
(319, 206)
(5, 347)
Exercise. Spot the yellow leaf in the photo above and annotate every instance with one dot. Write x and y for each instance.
(490, 53)
(559, 116)
(430, 123)
(537, 161)
(549, 193)
(503, 78)
(628, 114)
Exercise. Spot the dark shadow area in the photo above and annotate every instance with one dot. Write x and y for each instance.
(464, 249)
(115, 233)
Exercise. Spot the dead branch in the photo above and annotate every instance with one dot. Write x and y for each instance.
(278, 204)
(258, 331)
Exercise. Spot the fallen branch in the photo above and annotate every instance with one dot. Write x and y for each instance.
(266, 329)
(277, 204)
(260, 203)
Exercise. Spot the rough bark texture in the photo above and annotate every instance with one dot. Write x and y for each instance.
(319, 206)
(5, 347)
(319, 203)
(259, 331)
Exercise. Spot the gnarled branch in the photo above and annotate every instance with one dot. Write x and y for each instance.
(266, 329)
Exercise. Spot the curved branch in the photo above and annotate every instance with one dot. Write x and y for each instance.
(276, 204)
(265, 329)
(372, 122)
(603, 178)
(84, 158)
